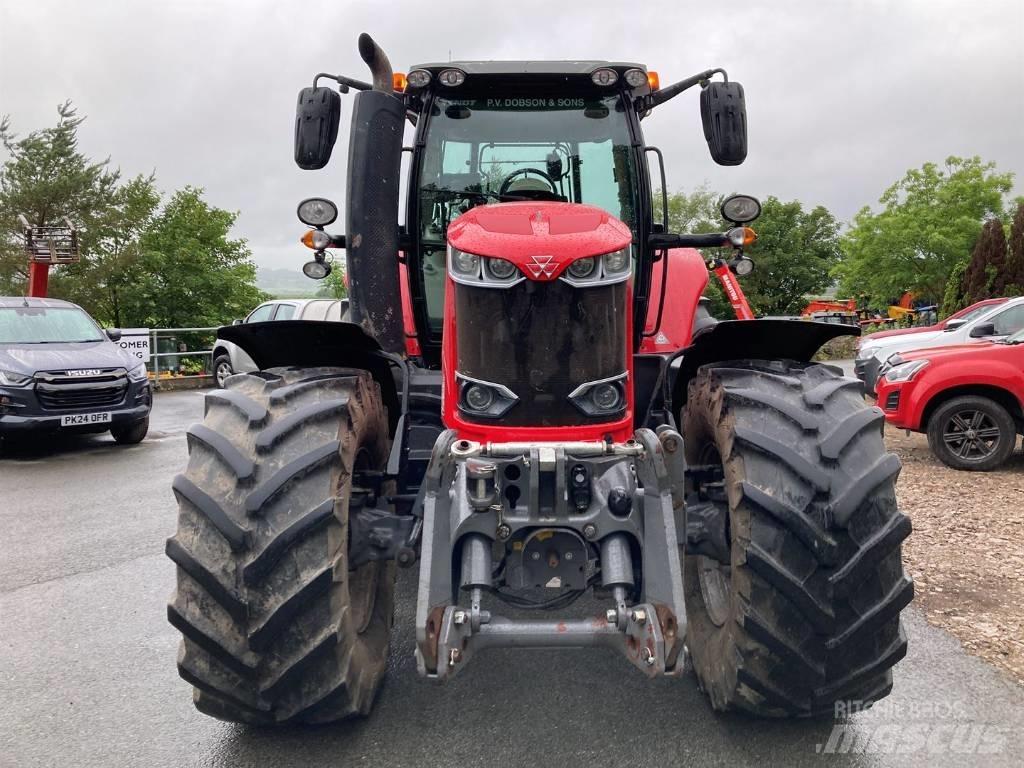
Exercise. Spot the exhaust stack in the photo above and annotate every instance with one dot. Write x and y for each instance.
(371, 232)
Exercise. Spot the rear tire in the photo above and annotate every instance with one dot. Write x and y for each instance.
(277, 628)
(806, 613)
(972, 433)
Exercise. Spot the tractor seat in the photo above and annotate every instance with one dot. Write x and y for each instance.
(526, 184)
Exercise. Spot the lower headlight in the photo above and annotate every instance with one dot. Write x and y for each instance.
(905, 371)
(606, 397)
(479, 397)
(11, 379)
(463, 263)
(138, 373)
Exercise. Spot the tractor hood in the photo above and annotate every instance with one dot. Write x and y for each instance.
(528, 233)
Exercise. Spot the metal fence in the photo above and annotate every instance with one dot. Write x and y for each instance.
(180, 353)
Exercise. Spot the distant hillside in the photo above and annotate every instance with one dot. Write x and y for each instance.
(285, 283)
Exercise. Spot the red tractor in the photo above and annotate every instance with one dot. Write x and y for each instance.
(555, 415)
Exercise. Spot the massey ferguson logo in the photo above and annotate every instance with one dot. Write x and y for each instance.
(85, 372)
(541, 265)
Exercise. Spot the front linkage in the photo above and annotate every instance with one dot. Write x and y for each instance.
(559, 515)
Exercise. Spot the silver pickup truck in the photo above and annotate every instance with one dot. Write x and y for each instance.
(229, 358)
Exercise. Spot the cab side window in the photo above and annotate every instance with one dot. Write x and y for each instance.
(1010, 321)
(261, 314)
(285, 312)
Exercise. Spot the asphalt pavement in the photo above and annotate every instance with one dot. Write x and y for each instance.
(87, 662)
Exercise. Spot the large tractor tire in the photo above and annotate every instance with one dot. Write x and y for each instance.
(805, 613)
(276, 627)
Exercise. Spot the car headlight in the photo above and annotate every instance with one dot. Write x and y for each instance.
(905, 371)
(138, 373)
(11, 379)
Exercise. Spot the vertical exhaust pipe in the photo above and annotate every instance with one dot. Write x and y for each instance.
(371, 232)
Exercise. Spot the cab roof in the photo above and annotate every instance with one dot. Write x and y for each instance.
(566, 67)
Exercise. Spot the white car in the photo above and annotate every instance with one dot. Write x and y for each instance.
(996, 323)
(229, 358)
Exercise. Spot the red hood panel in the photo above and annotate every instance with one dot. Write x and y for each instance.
(560, 233)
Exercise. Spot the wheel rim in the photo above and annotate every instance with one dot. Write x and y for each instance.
(223, 371)
(971, 435)
(713, 577)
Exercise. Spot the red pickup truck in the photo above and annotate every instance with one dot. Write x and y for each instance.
(969, 399)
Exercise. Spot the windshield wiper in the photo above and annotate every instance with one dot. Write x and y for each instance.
(457, 193)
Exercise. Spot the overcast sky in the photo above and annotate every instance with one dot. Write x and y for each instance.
(842, 95)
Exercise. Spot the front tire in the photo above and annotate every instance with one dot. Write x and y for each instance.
(805, 613)
(276, 627)
(972, 433)
(132, 433)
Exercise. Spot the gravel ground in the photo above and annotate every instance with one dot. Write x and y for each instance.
(966, 553)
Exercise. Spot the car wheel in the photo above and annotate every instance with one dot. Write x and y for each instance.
(972, 433)
(222, 369)
(131, 434)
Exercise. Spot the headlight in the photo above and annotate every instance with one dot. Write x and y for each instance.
(582, 268)
(317, 212)
(905, 371)
(466, 264)
(11, 379)
(138, 373)
(502, 269)
(604, 397)
(617, 261)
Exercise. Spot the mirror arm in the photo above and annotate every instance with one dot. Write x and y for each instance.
(705, 240)
(344, 83)
(660, 97)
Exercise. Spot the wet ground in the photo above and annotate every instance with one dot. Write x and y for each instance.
(87, 674)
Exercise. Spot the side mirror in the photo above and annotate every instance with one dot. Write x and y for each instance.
(952, 325)
(723, 111)
(982, 330)
(316, 126)
(114, 334)
(236, 321)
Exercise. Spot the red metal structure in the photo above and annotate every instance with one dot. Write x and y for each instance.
(46, 246)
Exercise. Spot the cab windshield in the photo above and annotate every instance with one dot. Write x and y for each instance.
(496, 148)
(46, 325)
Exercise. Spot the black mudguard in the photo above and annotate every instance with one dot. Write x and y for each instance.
(310, 343)
(768, 339)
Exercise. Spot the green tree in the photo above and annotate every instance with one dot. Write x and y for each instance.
(929, 221)
(1014, 280)
(954, 298)
(333, 286)
(795, 253)
(985, 275)
(188, 271)
(697, 211)
(109, 269)
(46, 178)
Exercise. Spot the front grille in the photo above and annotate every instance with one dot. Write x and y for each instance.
(59, 391)
(892, 402)
(542, 340)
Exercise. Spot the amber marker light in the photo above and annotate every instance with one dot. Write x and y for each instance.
(399, 82)
(652, 81)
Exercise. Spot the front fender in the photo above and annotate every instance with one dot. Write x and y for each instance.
(312, 343)
(767, 339)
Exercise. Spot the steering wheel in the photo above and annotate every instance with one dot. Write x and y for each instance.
(504, 190)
